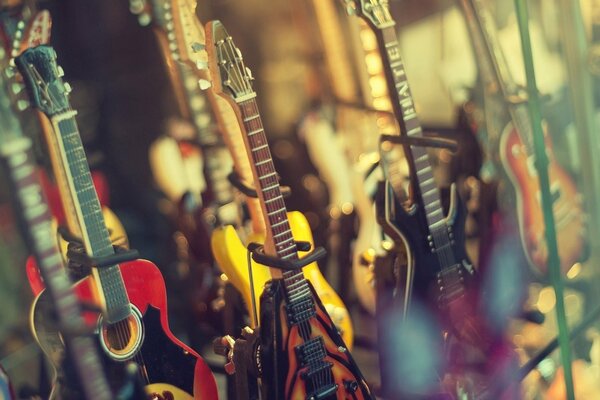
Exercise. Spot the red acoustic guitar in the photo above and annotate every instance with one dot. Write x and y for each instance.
(133, 325)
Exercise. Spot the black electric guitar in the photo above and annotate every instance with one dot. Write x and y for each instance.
(302, 353)
(133, 325)
(440, 271)
(36, 225)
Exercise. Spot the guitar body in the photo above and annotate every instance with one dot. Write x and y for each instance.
(282, 360)
(232, 256)
(568, 214)
(407, 226)
(173, 370)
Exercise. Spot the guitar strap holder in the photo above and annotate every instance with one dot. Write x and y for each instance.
(77, 256)
(237, 183)
(258, 255)
(432, 142)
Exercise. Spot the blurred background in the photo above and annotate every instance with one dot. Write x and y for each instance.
(124, 99)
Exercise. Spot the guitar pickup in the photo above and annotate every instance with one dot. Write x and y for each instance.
(311, 351)
(301, 310)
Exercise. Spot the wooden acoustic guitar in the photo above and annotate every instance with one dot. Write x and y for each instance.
(133, 325)
(37, 227)
(516, 154)
(302, 353)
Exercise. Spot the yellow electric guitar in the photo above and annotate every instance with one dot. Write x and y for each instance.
(230, 251)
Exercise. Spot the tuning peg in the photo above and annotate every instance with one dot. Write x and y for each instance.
(9, 72)
(60, 71)
(204, 84)
(17, 88)
(249, 73)
(202, 65)
(22, 105)
(196, 47)
(68, 87)
(350, 7)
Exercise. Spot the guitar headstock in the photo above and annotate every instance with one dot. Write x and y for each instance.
(43, 80)
(230, 77)
(376, 12)
(182, 29)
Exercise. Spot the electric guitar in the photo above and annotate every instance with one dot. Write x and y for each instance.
(516, 154)
(439, 270)
(133, 325)
(37, 228)
(302, 353)
(231, 255)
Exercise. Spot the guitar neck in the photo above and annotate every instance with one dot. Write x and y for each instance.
(493, 66)
(217, 161)
(36, 222)
(233, 137)
(403, 104)
(279, 232)
(89, 214)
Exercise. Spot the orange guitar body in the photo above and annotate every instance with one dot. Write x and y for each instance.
(281, 351)
(567, 204)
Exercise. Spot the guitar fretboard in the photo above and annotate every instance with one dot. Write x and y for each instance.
(409, 123)
(270, 192)
(89, 212)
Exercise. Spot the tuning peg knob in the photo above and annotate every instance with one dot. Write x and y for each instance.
(22, 105)
(204, 84)
(68, 87)
(196, 47)
(17, 88)
(61, 71)
(350, 10)
(201, 65)
(249, 73)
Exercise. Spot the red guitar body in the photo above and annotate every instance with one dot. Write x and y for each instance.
(567, 204)
(171, 369)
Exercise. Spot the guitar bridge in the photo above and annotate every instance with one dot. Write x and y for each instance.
(451, 284)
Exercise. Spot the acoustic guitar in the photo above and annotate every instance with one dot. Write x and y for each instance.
(37, 227)
(133, 324)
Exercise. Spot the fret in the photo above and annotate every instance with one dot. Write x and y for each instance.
(414, 131)
(437, 211)
(250, 118)
(285, 221)
(264, 146)
(430, 192)
(286, 240)
(278, 211)
(254, 132)
(269, 175)
(274, 186)
(263, 162)
(424, 171)
(274, 199)
(287, 231)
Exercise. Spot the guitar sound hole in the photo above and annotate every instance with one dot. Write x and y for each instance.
(122, 340)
